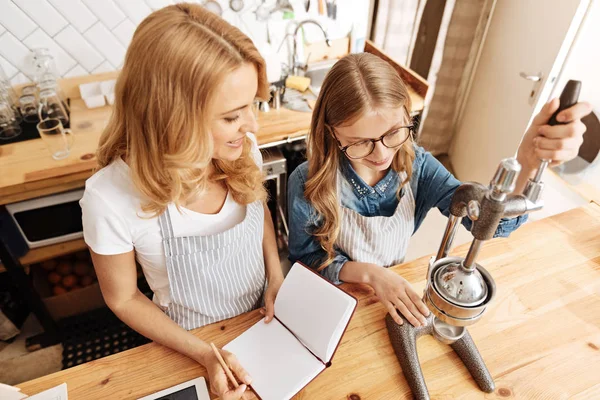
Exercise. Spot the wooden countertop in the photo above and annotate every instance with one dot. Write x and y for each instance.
(28, 171)
(540, 337)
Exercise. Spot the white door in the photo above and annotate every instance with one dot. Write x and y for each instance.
(526, 40)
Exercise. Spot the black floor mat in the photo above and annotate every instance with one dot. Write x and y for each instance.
(98, 333)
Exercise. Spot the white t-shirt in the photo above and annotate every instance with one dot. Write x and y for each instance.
(113, 223)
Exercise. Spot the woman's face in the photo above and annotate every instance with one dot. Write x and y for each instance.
(233, 115)
(373, 125)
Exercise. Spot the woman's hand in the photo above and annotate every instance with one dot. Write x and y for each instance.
(559, 143)
(219, 384)
(271, 293)
(397, 294)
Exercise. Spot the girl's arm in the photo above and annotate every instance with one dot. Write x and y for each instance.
(435, 188)
(558, 143)
(394, 292)
(303, 246)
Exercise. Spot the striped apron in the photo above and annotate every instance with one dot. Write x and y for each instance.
(215, 277)
(378, 240)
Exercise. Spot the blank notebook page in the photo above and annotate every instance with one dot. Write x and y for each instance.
(277, 362)
(314, 309)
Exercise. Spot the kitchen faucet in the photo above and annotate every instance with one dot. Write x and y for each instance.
(293, 65)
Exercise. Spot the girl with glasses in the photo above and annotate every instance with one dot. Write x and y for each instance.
(367, 186)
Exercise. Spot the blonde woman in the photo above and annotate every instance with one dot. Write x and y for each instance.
(180, 189)
(367, 187)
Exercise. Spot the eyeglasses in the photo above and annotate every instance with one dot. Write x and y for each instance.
(391, 140)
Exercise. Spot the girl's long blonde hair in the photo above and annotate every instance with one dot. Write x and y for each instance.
(355, 85)
(164, 94)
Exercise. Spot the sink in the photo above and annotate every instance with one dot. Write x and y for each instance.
(317, 72)
(297, 101)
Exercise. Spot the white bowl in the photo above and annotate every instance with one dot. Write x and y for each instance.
(107, 87)
(90, 89)
(91, 94)
(94, 101)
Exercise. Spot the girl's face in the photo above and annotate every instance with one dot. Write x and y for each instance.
(233, 116)
(373, 125)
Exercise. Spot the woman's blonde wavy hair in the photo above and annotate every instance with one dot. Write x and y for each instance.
(355, 85)
(164, 94)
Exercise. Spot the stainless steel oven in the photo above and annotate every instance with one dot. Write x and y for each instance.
(275, 170)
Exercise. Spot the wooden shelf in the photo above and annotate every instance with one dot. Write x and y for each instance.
(48, 252)
(55, 250)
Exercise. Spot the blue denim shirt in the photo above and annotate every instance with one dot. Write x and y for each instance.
(432, 186)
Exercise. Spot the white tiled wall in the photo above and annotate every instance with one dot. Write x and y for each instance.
(91, 36)
(85, 36)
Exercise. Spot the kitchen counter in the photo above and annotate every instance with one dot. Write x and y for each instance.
(28, 171)
(540, 337)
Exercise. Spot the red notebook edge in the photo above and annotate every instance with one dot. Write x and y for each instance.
(328, 364)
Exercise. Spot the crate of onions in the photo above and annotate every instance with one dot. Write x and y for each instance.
(68, 284)
(69, 273)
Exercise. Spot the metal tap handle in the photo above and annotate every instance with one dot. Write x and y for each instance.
(568, 98)
(505, 178)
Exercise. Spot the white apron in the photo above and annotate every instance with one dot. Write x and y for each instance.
(215, 277)
(378, 240)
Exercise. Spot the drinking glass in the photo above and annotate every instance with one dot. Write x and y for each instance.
(9, 125)
(51, 106)
(58, 139)
(29, 108)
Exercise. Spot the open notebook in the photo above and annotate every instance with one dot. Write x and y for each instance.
(311, 315)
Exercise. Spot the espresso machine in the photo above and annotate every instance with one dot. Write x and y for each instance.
(458, 289)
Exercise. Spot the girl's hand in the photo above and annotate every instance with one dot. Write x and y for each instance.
(271, 293)
(559, 143)
(397, 294)
(219, 383)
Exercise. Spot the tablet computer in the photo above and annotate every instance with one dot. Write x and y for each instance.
(195, 389)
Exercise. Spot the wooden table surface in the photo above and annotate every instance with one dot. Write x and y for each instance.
(540, 337)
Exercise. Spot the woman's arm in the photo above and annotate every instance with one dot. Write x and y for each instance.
(118, 282)
(272, 264)
(270, 251)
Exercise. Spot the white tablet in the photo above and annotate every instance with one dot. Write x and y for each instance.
(191, 390)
